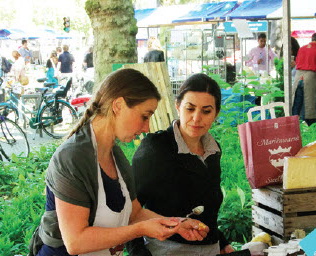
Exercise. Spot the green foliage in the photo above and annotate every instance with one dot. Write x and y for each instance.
(235, 217)
(22, 199)
(235, 213)
(278, 63)
(128, 149)
(92, 6)
(308, 133)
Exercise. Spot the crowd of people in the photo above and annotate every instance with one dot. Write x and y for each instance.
(61, 63)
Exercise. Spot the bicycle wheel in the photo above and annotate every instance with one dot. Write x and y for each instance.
(58, 119)
(9, 111)
(12, 139)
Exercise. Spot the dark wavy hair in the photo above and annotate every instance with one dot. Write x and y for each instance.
(201, 83)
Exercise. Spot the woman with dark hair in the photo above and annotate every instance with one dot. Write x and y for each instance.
(91, 206)
(179, 169)
(51, 65)
(295, 46)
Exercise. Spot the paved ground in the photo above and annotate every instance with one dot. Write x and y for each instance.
(34, 139)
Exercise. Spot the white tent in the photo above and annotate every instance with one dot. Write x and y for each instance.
(299, 9)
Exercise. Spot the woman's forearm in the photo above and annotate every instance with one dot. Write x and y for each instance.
(145, 214)
(80, 238)
(98, 238)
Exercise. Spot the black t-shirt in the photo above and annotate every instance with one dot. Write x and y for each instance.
(154, 56)
(89, 60)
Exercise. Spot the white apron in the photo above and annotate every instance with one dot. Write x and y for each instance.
(105, 217)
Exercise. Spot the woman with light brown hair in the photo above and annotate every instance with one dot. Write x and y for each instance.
(18, 68)
(91, 206)
(19, 74)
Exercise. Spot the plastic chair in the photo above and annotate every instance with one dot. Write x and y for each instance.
(270, 107)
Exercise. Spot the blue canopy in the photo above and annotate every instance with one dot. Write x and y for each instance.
(223, 11)
(161, 15)
(4, 33)
(16, 34)
(248, 9)
(255, 9)
(207, 11)
(50, 33)
(143, 13)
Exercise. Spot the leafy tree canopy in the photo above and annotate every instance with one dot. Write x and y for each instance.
(23, 14)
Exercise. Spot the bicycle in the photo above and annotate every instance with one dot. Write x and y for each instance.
(12, 140)
(56, 117)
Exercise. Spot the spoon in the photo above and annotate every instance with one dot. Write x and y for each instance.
(196, 211)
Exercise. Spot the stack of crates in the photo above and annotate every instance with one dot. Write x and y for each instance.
(280, 212)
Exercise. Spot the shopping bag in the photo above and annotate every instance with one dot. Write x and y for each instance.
(264, 145)
(24, 80)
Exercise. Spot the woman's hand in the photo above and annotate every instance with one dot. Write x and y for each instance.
(227, 249)
(160, 228)
(192, 230)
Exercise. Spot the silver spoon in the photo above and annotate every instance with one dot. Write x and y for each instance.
(195, 211)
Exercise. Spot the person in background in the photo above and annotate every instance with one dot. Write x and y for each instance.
(18, 67)
(18, 73)
(155, 53)
(91, 206)
(257, 58)
(65, 62)
(304, 86)
(179, 169)
(59, 51)
(295, 46)
(88, 59)
(25, 52)
(52, 71)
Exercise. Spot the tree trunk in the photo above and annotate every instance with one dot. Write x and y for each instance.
(114, 30)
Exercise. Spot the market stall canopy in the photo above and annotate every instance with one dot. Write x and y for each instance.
(208, 11)
(4, 33)
(248, 9)
(255, 9)
(299, 9)
(16, 34)
(162, 15)
(57, 34)
(141, 14)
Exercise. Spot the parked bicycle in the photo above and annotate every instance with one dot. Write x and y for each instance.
(12, 140)
(55, 116)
